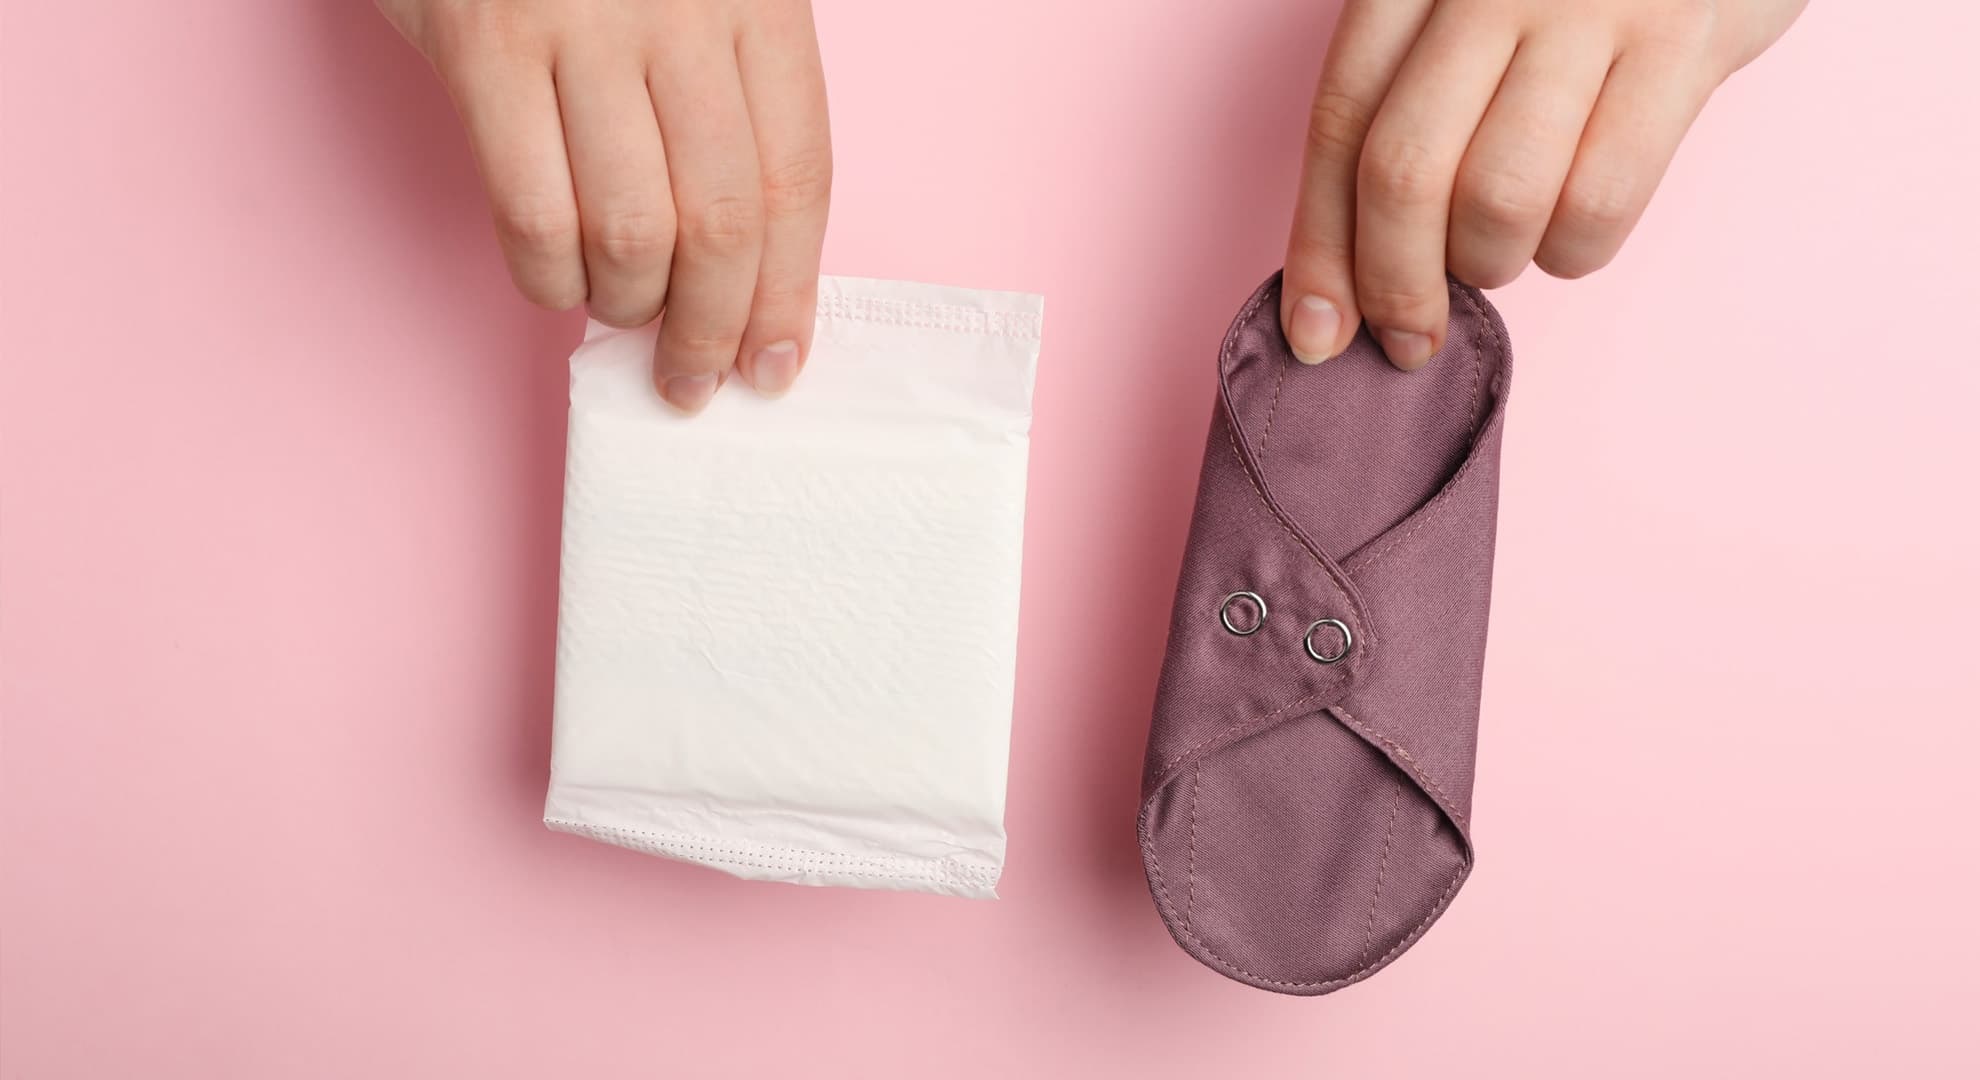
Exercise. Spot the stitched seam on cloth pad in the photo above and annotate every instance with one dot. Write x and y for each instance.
(1195, 784)
(1477, 360)
(1381, 875)
(1235, 725)
(1284, 534)
(1465, 472)
(1416, 770)
(1285, 525)
(1155, 867)
(1287, 531)
(1265, 442)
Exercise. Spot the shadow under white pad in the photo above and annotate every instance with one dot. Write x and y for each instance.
(787, 630)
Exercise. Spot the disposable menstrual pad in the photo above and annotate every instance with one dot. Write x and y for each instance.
(787, 631)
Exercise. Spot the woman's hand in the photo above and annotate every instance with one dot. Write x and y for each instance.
(651, 157)
(1480, 135)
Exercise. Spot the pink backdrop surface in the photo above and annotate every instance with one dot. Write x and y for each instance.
(281, 458)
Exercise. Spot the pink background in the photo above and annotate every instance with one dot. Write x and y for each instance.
(281, 458)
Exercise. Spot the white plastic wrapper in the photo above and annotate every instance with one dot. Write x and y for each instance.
(787, 629)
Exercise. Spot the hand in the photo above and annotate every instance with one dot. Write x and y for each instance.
(651, 158)
(1480, 135)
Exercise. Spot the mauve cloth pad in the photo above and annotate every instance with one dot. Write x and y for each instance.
(1303, 822)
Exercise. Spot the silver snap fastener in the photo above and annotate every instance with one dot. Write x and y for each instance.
(1224, 613)
(1347, 641)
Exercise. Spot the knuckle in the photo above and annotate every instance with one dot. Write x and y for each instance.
(725, 225)
(699, 350)
(1600, 204)
(1335, 125)
(707, 343)
(797, 184)
(460, 33)
(1400, 307)
(1502, 198)
(1688, 25)
(1400, 172)
(535, 226)
(633, 238)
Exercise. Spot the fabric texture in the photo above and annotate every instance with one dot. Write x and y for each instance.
(787, 631)
(1304, 822)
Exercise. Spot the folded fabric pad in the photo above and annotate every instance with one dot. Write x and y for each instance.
(787, 630)
(1308, 782)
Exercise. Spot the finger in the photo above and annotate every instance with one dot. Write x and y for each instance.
(718, 196)
(1317, 304)
(784, 85)
(1407, 170)
(1511, 176)
(625, 212)
(508, 105)
(1647, 104)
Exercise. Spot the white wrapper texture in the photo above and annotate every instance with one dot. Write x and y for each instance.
(787, 630)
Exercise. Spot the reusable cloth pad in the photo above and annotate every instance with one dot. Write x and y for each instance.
(786, 630)
(1308, 782)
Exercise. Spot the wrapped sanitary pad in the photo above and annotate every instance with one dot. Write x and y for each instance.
(787, 630)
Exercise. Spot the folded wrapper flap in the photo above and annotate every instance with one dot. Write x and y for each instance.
(1308, 781)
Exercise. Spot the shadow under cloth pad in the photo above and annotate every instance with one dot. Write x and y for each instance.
(1305, 807)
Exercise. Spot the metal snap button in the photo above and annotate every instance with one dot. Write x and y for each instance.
(1347, 641)
(1224, 613)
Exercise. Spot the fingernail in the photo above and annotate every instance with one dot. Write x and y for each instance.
(1407, 350)
(690, 393)
(774, 368)
(1315, 323)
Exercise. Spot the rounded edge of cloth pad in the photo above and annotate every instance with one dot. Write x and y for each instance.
(1304, 823)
